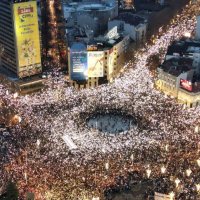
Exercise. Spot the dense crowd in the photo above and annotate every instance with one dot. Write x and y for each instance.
(163, 147)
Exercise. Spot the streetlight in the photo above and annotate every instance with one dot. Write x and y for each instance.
(177, 181)
(15, 95)
(25, 176)
(163, 169)
(171, 195)
(132, 157)
(188, 172)
(196, 129)
(148, 171)
(167, 147)
(198, 162)
(107, 166)
(197, 187)
(187, 34)
(38, 143)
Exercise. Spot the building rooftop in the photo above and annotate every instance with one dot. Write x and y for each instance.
(177, 66)
(184, 47)
(87, 6)
(130, 18)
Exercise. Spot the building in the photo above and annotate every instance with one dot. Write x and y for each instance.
(198, 28)
(19, 36)
(97, 62)
(90, 15)
(130, 24)
(126, 6)
(187, 48)
(179, 75)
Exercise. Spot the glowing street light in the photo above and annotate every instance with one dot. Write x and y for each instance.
(148, 171)
(196, 129)
(197, 187)
(198, 162)
(177, 181)
(163, 169)
(15, 95)
(187, 34)
(188, 172)
(38, 142)
(167, 147)
(25, 176)
(132, 157)
(107, 166)
(171, 195)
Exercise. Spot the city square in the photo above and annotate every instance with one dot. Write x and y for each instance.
(159, 146)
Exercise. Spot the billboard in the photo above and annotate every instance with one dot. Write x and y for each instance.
(95, 63)
(25, 18)
(185, 84)
(160, 196)
(111, 61)
(78, 62)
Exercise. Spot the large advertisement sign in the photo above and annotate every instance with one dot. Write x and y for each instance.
(27, 36)
(111, 62)
(160, 196)
(78, 62)
(185, 84)
(95, 63)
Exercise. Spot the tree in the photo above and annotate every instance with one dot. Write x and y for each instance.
(12, 192)
(153, 61)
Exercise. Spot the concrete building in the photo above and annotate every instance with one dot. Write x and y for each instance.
(112, 51)
(19, 36)
(90, 15)
(179, 75)
(131, 25)
(198, 28)
(187, 48)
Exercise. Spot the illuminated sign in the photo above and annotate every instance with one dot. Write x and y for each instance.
(111, 60)
(78, 62)
(92, 47)
(112, 33)
(186, 84)
(95, 63)
(25, 19)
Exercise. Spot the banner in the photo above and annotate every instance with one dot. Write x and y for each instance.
(78, 62)
(186, 84)
(111, 60)
(95, 63)
(27, 37)
(160, 196)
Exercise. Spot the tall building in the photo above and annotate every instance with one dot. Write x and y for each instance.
(19, 37)
(53, 34)
(198, 28)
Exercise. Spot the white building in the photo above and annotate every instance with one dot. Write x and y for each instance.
(198, 28)
(112, 51)
(87, 15)
(130, 24)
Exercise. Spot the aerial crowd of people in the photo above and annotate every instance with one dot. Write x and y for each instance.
(162, 149)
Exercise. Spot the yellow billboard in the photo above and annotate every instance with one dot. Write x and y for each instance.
(95, 63)
(27, 36)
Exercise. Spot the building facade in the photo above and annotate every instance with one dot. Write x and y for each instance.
(179, 75)
(90, 15)
(130, 24)
(96, 63)
(20, 38)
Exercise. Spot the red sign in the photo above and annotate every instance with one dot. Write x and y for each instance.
(25, 10)
(186, 84)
